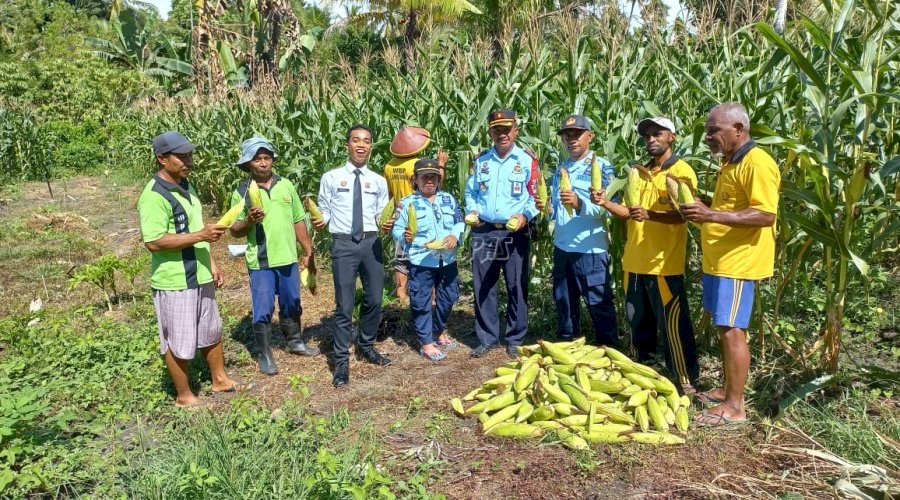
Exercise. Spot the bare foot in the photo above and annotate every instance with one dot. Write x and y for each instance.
(224, 385)
(716, 395)
(189, 402)
(721, 416)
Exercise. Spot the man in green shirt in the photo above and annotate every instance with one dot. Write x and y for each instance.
(184, 276)
(272, 231)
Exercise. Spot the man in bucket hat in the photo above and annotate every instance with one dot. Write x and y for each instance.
(272, 231)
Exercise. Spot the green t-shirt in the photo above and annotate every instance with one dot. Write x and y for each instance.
(167, 208)
(273, 242)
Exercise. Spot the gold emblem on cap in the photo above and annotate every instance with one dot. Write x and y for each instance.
(570, 121)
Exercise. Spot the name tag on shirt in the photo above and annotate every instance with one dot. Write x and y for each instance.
(343, 190)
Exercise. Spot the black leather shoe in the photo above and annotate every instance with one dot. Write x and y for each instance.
(375, 357)
(512, 351)
(482, 350)
(293, 336)
(341, 375)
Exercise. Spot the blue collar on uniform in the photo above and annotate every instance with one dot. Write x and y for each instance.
(742, 151)
(512, 151)
(183, 187)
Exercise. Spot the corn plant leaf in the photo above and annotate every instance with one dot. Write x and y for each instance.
(890, 167)
(795, 54)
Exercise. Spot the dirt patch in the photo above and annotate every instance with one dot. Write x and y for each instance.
(406, 404)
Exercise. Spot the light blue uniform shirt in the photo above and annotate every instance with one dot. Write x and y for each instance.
(434, 221)
(583, 231)
(501, 187)
(336, 198)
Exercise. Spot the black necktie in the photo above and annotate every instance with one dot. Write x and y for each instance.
(356, 229)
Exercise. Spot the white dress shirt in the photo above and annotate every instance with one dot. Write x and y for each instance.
(336, 198)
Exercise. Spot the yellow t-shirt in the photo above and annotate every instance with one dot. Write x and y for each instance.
(748, 180)
(399, 173)
(653, 247)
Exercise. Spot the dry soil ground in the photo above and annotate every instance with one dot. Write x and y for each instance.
(407, 402)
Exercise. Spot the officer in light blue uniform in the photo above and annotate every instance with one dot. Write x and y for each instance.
(501, 187)
(580, 240)
(438, 219)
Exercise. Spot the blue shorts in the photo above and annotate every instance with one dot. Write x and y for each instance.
(728, 300)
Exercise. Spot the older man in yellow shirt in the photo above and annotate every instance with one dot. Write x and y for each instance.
(738, 242)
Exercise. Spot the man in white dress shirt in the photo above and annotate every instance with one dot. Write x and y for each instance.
(351, 198)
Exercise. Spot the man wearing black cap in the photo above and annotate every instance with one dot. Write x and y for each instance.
(500, 203)
(183, 275)
(580, 240)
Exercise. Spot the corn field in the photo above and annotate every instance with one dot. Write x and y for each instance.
(823, 98)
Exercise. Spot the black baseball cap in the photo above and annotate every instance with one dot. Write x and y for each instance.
(171, 142)
(426, 166)
(577, 122)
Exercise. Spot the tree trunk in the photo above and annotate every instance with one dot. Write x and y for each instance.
(410, 36)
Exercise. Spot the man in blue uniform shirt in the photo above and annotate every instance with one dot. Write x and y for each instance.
(580, 240)
(501, 189)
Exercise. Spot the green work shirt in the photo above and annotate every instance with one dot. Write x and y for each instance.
(167, 208)
(273, 242)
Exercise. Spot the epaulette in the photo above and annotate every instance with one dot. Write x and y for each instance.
(530, 153)
(482, 153)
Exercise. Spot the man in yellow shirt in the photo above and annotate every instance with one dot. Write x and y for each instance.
(654, 257)
(738, 242)
(405, 149)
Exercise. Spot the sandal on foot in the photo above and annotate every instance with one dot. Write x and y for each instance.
(707, 399)
(718, 421)
(446, 345)
(432, 356)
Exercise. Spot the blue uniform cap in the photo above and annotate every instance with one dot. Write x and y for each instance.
(250, 147)
(577, 122)
(171, 142)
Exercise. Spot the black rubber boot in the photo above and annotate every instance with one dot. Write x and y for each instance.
(293, 337)
(264, 358)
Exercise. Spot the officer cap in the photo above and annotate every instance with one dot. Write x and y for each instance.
(501, 117)
(661, 121)
(576, 122)
(426, 166)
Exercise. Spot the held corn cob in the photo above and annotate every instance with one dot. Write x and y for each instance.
(633, 188)
(388, 212)
(596, 175)
(229, 217)
(308, 280)
(542, 191)
(672, 190)
(254, 195)
(312, 208)
(565, 185)
(412, 222)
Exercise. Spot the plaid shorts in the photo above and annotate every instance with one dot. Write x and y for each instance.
(401, 258)
(188, 320)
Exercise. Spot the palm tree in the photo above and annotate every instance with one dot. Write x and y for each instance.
(407, 13)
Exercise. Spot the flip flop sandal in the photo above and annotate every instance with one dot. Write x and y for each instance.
(718, 421)
(195, 406)
(705, 398)
(446, 345)
(432, 356)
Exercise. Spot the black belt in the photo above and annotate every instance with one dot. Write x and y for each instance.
(366, 235)
(495, 225)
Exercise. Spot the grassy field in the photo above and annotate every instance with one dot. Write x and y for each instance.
(87, 402)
